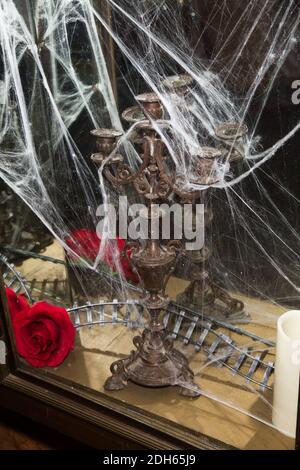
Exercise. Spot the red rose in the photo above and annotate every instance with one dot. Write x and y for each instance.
(44, 334)
(86, 244)
(117, 253)
(16, 304)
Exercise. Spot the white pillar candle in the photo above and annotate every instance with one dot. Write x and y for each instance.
(287, 372)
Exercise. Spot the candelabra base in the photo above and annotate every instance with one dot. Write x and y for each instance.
(155, 363)
(213, 301)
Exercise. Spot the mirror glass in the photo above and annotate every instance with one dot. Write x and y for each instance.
(195, 106)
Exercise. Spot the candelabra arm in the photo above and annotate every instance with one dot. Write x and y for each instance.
(234, 151)
(123, 172)
(190, 195)
(110, 176)
(168, 180)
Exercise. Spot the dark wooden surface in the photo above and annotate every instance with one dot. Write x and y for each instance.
(93, 426)
(19, 433)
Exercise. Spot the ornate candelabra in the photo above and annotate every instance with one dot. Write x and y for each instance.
(154, 362)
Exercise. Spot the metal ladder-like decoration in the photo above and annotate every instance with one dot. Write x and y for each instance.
(182, 324)
(13, 278)
(190, 330)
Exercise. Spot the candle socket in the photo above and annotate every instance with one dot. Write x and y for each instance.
(106, 140)
(151, 105)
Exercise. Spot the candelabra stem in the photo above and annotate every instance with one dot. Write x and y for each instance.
(202, 293)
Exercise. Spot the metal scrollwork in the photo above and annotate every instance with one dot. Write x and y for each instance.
(155, 362)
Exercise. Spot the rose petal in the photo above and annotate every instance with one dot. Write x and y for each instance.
(16, 303)
(44, 335)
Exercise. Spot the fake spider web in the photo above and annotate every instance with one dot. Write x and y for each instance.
(236, 55)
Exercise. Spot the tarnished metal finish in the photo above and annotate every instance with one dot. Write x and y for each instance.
(151, 105)
(204, 166)
(133, 114)
(178, 84)
(155, 362)
(203, 292)
(106, 140)
(231, 134)
(231, 131)
(154, 263)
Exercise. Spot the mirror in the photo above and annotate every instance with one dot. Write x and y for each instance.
(225, 89)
